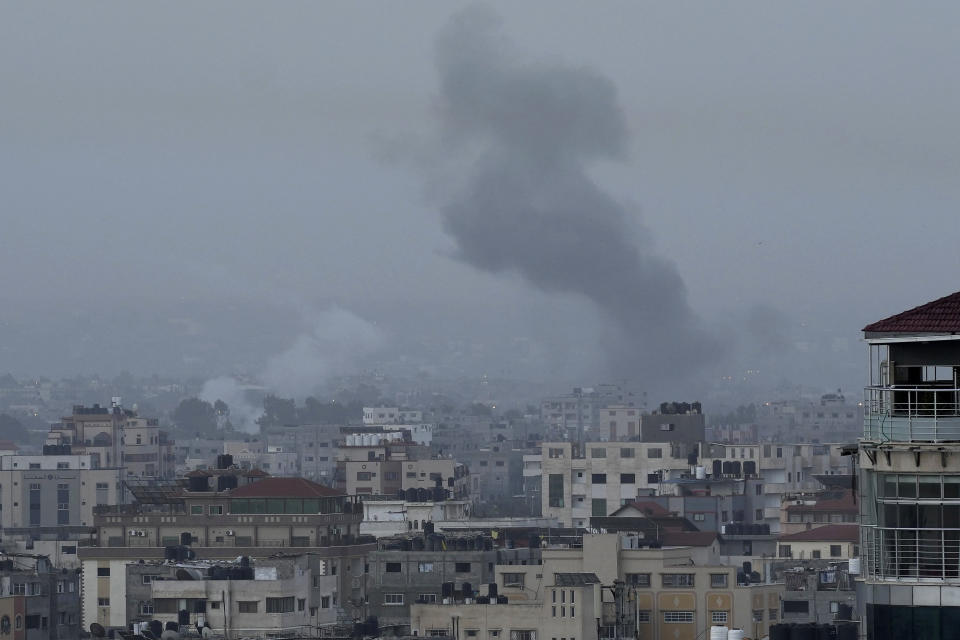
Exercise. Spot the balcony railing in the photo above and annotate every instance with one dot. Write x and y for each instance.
(904, 414)
(912, 554)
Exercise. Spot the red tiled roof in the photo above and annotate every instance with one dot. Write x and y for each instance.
(672, 538)
(649, 508)
(8, 445)
(830, 501)
(939, 316)
(273, 487)
(826, 533)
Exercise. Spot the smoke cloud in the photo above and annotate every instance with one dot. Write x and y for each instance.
(337, 341)
(528, 205)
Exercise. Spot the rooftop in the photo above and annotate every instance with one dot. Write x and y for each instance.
(273, 487)
(940, 316)
(826, 533)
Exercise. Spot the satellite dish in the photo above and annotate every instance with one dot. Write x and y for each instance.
(97, 630)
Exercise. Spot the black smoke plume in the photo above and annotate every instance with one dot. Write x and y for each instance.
(527, 203)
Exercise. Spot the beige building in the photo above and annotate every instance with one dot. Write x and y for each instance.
(670, 592)
(831, 541)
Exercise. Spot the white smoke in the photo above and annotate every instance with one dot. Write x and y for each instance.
(338, 340)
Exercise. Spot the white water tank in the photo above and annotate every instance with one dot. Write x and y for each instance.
(719, 633)
(723, 529)
(701, 473)
(735, 634)
(853, 568)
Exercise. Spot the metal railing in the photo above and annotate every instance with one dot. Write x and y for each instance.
(911, 553)
(912, 413)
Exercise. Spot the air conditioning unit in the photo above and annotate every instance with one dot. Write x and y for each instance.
(132, 533)
(230, 532)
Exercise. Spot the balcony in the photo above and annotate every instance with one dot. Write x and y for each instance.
(926, 413)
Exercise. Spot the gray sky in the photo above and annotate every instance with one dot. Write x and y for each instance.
(192, 183)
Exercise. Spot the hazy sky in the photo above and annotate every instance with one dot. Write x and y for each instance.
(185, 185)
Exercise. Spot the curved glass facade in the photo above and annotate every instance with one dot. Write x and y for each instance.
(911, 525)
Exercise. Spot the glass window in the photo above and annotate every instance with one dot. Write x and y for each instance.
(274, 505)
(907, 486)
(718, 581)
(929, 487)
(951, 487)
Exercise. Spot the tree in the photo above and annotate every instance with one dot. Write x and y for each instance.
(194, 414)
(221, 409)
(277, 412)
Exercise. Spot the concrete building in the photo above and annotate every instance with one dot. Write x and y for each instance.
(429, 567)
(668, 592)
(910, 475)
(819, 593)
(385, 516)
(39, 601)
(222, 515)
(48, 502)
(674, 422)
(834, 541)
(117, 437)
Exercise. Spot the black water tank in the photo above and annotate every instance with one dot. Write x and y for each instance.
(173, 626)
(747, 567)
(803, 632)
(467, 590)
(534, 542)
(198, 483)
(483, 600)
(750, 468)
(186, 538)
(427, 527)
(844, 612)
(826, 632)
(183, 617)
(691, 459)
(717, 468)
(156, 627)
(765, 530)
(780, 632)
(446, 590)
(411, 495)
(170, 552)
(492, 590)
(848, 631)
(735, 465)
(502, 600)
(727, 468)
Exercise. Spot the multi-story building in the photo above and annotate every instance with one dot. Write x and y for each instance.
(390, 516)
(117, 437)
(48, 502)
(833, 541)
(818, 593)
(642, 592)
(37, 600)
(220, 515)
(910, 475)
(287, 594)
(429, 567)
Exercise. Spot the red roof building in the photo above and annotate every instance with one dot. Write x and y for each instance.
(940, 316)
(826, 533)
(275, 487)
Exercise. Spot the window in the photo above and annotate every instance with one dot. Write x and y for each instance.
(598, 452)
(678, 579)
(103, 602)
(148, 578)
(393, 599)
(363, 475)
(437, 633)
(718, 581)
(428, 598)
(758, 515)
(796, 606)
(146, 609)
(392, 567)
(247, 606)
(643, 616)
(816, 554)
(598, 507)
(626, 452)
(425, 567)
(325, 602)
(555, 453)
(103, 572)
(462, 567)
(63, 465)
(785, 551)
(301, 604)
(655, 452)
(216, 510)
(19, 588)
(718, 617)
(196, 509)
(835, 551)
(214, 604)
(599, 478)
(637, 579)
(514, 580)
(677, 616)
(699, 517)
(519, 634)
(779, 452)
(628, 478)
(758, 615)
(69, 550)
(555, 485)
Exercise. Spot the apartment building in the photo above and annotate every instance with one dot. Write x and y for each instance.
(220, 515)
(833, 541)
(48, 502)
(642, 592)
(430, 567)
(390, 516)
(37, 600)
(910, 474)
(117, 437)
